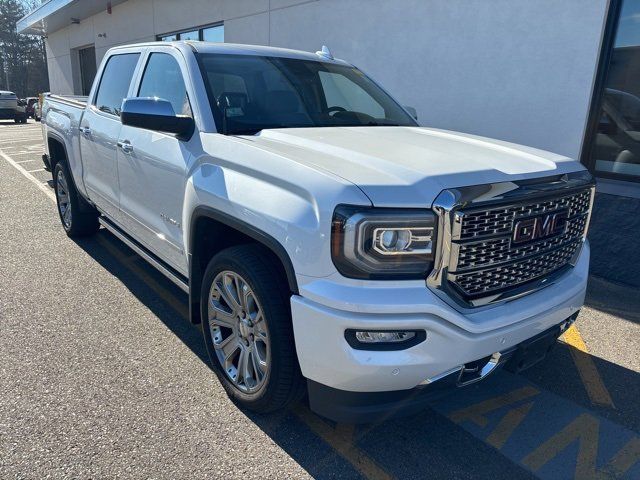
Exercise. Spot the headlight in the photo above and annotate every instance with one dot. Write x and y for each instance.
(382, 243)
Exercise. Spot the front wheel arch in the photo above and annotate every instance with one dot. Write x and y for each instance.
(212, 231)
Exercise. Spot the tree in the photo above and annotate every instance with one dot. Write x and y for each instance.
(23, 63)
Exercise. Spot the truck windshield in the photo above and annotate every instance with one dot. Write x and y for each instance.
(251, 93)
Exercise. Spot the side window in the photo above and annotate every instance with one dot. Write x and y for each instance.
(339, 91)
(115, 82)
(163, 79)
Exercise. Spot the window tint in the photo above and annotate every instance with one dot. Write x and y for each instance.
(163, 79)
(249, 93)
(115, 82)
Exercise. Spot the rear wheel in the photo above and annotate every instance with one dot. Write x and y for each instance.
(77, 216)
(247, 329)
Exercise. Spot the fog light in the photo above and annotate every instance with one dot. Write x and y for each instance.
(384, 337)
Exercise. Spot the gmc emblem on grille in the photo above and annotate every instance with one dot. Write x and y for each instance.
(541, 226)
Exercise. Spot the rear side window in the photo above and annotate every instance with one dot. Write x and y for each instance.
(163, 79)
(115, 82)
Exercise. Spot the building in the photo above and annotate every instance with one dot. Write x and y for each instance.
(561, 76)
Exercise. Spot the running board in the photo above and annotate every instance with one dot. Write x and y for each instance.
(154, 261)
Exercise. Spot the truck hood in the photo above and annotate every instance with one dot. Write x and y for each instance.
(410, 166)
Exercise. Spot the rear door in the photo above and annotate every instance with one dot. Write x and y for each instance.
(99, 130)
(152, 169)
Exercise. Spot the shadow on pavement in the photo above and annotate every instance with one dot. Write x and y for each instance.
(616, 299)
(424, 445)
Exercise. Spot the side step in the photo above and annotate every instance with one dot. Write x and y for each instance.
(163, 268)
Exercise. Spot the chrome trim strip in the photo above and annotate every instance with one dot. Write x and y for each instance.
(450, 201)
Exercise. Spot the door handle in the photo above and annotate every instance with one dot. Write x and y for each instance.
(125, 146)
(86, 131)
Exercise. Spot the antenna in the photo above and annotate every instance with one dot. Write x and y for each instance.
(325, 52)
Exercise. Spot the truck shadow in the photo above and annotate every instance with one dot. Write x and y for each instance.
(426, 444)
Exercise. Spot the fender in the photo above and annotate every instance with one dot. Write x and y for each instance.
(195, 272)
(59, 139)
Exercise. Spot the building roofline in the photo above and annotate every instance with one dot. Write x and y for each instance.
(56, 14)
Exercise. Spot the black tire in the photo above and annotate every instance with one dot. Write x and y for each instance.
(16, 120)
(83, 218)
(283, 384)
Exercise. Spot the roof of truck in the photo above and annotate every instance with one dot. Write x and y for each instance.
(239, 49)
(6, 92)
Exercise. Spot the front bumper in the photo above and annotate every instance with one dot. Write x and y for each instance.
(366, 407)
(326, 308)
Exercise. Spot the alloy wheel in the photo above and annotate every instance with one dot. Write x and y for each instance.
(64, 202)
(239, 331)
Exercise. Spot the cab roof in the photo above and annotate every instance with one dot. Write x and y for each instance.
(239, 49)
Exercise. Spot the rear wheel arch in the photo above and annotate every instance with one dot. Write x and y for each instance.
(57, 151)
(212, 231)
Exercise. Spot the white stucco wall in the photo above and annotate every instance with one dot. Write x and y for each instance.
(518, 70)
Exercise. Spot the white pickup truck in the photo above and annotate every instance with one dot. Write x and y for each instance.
(327, 242)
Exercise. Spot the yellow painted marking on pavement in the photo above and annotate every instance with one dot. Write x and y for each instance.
(175, 303)
(587, 370)
(476, 413)
(584, 429)
(507, 425)
(341, 440)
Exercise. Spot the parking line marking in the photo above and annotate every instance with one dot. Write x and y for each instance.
(36, 170)
(42, 186)
(342, 444)
(507, 425)
(593, 383)
(477, 413)
(585, 430)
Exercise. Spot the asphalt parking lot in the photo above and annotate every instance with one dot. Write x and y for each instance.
(102, 376)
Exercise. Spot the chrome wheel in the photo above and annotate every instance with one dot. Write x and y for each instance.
(238, 331)
(64, 202)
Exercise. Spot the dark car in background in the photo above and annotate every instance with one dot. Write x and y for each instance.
(32, 108)
(12, 108)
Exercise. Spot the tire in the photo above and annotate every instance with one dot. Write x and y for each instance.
(77, 216)
(16, 120)
(279, 382)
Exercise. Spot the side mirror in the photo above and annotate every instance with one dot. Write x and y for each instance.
(412, 111)
(155, 114)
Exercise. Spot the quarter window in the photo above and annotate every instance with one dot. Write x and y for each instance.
(163, 79)
(115, 81)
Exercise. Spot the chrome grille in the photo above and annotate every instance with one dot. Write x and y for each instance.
(486, 262)
(499, 241)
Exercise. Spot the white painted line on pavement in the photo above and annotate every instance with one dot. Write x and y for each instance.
(37, 170)
(42, 186)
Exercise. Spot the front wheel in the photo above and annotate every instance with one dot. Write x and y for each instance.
(77, 217)
(247, 329)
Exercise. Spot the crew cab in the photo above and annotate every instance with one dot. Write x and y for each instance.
(328, 244)
(12, 108)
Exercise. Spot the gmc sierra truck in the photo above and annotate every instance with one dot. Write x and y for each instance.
(328, 244)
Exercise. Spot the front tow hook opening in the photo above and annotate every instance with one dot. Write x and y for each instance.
(477, 370)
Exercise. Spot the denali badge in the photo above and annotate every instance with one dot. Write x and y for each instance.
(542, 226)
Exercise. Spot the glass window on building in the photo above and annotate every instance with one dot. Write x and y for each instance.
(192, 35)
(615, 144)
(214, 33)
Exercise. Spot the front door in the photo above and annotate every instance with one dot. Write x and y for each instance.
(100, 127)
(152, 167)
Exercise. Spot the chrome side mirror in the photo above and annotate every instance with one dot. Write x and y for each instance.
(155, 114)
